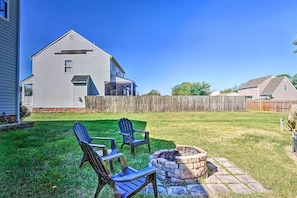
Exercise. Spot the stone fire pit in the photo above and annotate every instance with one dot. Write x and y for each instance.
(182, 165)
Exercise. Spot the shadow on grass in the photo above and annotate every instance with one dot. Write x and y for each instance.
(44, 160)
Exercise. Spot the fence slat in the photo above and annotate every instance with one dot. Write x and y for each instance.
(114, 104)
(270, 105)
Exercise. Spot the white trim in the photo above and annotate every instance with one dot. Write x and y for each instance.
(8, 5)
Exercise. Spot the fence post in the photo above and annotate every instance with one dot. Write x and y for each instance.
(281, 120)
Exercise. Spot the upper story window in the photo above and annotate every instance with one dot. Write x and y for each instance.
(4, 8)
(285, 87)
(68, 66)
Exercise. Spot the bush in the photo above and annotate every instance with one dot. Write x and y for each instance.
(24, 112)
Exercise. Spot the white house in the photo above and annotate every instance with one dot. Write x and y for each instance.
(9, 60)
(70, 68)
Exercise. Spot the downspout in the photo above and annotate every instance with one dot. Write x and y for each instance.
(18, 63)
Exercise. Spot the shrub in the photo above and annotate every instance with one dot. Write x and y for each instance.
(24, 112)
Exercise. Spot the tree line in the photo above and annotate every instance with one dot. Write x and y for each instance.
(203, 88)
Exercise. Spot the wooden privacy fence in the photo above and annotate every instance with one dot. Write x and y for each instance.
(270, 105)
(120, 104)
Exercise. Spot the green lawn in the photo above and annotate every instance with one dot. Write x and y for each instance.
(42, 161)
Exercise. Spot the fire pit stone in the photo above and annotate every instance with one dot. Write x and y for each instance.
(184, 164)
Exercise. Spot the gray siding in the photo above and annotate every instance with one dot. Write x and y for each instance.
(9, 69)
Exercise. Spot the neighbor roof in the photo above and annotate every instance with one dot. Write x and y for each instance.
(272, 85)
(254, 82)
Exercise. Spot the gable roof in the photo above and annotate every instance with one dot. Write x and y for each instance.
(28, 79)
(121, 80)
(254, 82)
(53, 42)
(272, 85)
(73, 51)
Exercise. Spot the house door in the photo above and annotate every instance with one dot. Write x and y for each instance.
(79, 93)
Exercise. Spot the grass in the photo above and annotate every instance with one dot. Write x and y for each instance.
(42, 161)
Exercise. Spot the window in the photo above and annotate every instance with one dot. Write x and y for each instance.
(285, 87)
(68, 66)
(4, 8)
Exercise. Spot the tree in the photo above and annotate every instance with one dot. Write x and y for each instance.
(187, 88)
(295, 43)
(153, 92)
(235, 89)
(226, 90)
(287, 75)
(294, 80)
(182, 89)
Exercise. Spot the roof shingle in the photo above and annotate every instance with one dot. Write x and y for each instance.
(254, 82)
(80, 78)
(272, 85)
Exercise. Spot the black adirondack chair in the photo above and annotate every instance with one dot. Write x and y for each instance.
(127, 182)
(127, 131)
(81, 134)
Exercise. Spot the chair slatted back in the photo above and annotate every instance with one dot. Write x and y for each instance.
(97, 163)
(81, 133)
(126, 126)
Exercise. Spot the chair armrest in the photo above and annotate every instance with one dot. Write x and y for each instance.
(103, 138)
(125, 134)
(146, 133)
(113, 145)
(141, 131)
(116, 156)
(136, 175)
(98, 146)
(112, 157)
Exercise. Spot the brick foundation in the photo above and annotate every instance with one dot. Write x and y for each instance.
(58, 110)
(182, 165)
(10, 118)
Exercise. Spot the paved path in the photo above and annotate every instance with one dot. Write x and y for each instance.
(225, 178)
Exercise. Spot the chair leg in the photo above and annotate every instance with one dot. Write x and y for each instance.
(116, 195)
(99, 188)
(111, 166)
(154, 182)
(149, 146)
(132, 150)
(82, 162)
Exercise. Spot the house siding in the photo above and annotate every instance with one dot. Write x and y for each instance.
(289, 94)
(255, 91)
(52, 87)
(9, 66)
(79, 93)
(252, 93)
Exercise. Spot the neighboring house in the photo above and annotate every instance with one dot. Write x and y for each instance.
(70, 68)
(229, 94)
(214, 93)
(9, 60)
(217, 93)
(269, 87)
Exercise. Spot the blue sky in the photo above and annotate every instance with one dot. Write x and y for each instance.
(162, 43)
